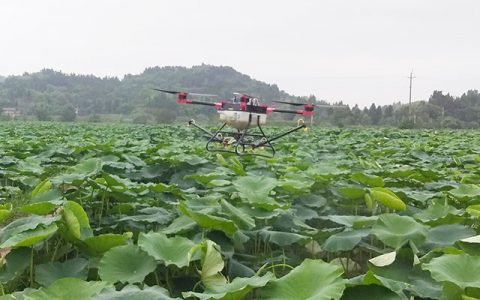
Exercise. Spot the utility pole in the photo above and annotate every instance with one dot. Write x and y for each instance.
(410, 95)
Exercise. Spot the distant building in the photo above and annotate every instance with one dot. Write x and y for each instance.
(12, 112)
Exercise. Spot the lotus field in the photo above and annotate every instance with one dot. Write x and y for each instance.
(93, 211)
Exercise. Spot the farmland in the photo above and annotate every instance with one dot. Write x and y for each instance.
(99, 211)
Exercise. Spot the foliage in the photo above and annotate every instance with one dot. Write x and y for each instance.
(135, 212)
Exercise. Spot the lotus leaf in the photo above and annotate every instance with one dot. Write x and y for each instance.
(394, 230)
(125, 264)
(312, 279)
(171, 251)
(458, 269)
(46, 274)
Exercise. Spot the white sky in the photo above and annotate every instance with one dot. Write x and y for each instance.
(356, 51)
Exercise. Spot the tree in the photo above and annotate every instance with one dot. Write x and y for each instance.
(68, 113)
(42, 111)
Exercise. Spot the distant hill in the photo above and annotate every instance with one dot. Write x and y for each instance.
(52, 91)
(50, 94)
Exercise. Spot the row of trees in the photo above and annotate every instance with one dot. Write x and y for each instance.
(440, 111)
(54, 95)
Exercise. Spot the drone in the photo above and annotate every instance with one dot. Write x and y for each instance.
(246, 116)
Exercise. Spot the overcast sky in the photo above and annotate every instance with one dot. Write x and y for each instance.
(356, 51)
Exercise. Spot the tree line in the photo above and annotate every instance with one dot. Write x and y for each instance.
(53, 95)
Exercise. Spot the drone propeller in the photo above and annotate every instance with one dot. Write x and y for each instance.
(289, 103)
(312, 104)
(167, 91)
(186, 93)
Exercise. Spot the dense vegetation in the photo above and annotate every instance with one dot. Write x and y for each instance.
(54, 95)
(94, 211)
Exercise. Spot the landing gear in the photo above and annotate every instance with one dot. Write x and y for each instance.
(242, 142)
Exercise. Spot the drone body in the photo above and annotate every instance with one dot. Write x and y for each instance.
(244, 114)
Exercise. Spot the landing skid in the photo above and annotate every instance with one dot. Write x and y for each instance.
(241, 141)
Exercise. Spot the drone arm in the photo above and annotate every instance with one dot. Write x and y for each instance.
(296, 112)
(189, 101)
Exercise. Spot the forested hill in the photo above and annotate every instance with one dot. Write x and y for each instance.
(49, 94)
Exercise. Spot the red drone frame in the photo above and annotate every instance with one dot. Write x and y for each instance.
(242, 113)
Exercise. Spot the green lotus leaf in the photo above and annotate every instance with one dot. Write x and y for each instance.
(156, 215)
(446, 235)
(243, 220)
(281, 238)
(212, 264)
(126, 264)
(423, 285)
(345, 240)
(5, 211)
(369, 292)
(394, 285)
(351, 221)
(387, 198)
(131, 292)
(14, 263)
(369, 202)
(312, 279)
(114, 183)
(325, 170)
(99, 244)
(470, 178)
(172, 251)
(42, 187)
(219, 183)
(368, 179)
(312, 201)
(435, 211)
(296, 184)
(76, 220)
(351, 192)
(68, 288)
(24, 224)
(465, 191)
(134, 160)
(30, 237)
(41, 208)
(256, 190)
(44, 202)
(235, 290)
(473, 210)
(236, 166)
(394, 230)
(77, 174)
(470, 245)
(208, 221)
(203, 179)
(462, 269)
(165, 188)
(190, 159)
(180, 225)
(30, 165)
(46, 274)
(419, 196)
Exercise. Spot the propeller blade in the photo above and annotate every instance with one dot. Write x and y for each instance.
(289, 103)
(329, 106)
(167, 91)
(313, 104)
(203, 95)
(245, 95)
